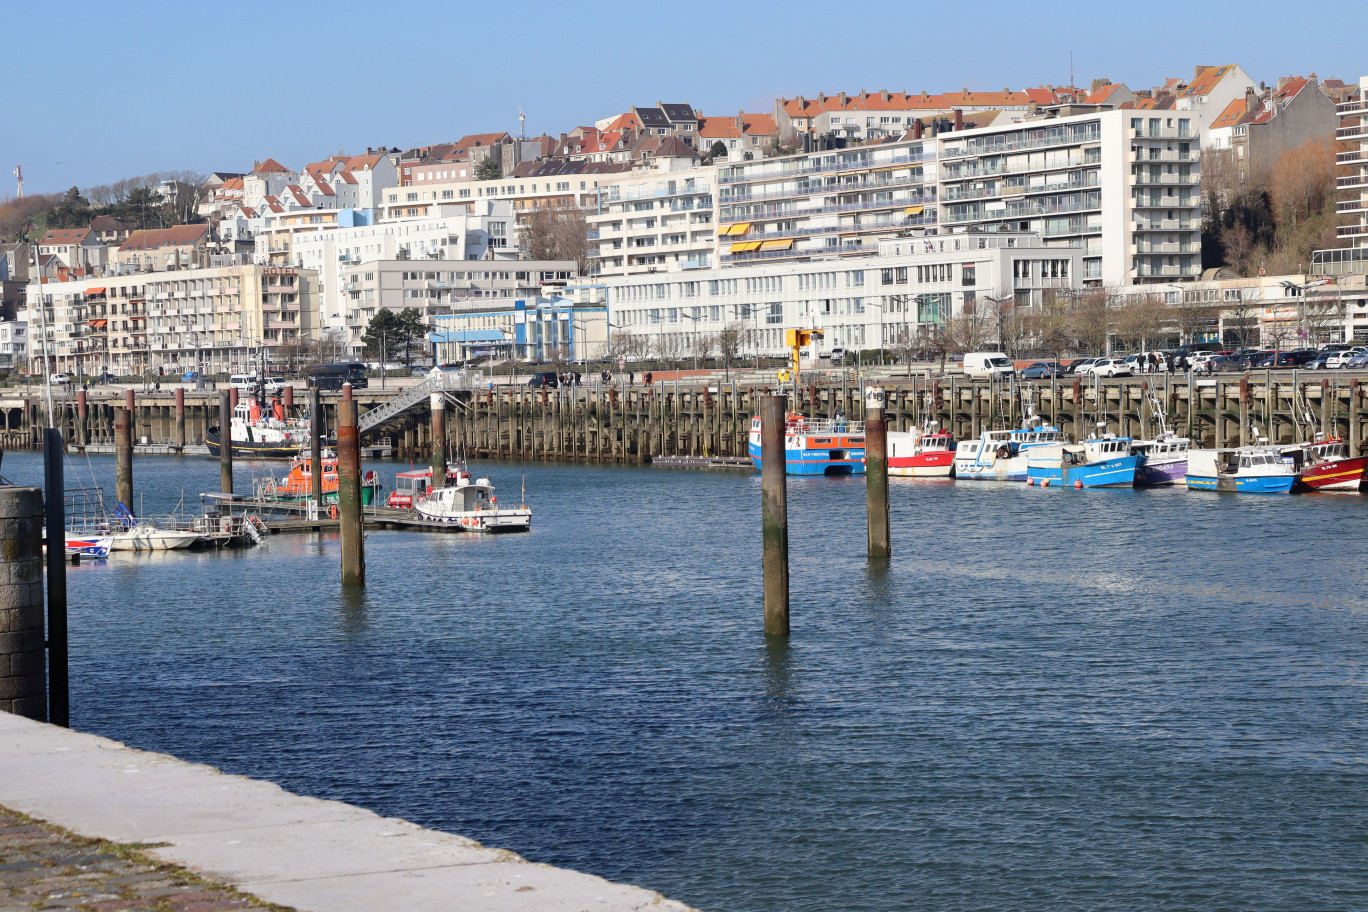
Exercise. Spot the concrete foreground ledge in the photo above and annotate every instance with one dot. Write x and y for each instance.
(310, 854)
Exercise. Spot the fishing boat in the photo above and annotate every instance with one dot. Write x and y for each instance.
(1164, 459)
(298, 484)
(261, 436)
(1259, 469)
(470, 504)
(1099, 462)
(1002, 455)
(921, 455)
(411, 484)
(817, 446)
(1325, 465)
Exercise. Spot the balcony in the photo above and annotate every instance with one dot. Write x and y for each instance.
(1143, 155)
(759, 172)
(1171, 272)
(1352, 231)
(1356, 157)
(1171, 180)
(1352, 107)
(1164, 248)
(951, 194)
(1356, 132)
(971, 170)
(990, 145)
(1352, 182)
(1346, 206)
(1161, 133)
(1164, 225)
(821, 190)
(1025, 210)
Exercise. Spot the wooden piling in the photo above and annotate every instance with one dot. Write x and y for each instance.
(774, 515)
(180, 417)
(349, 495)
(876, 476)
(225, 442)
(82, 416)
(123, 457)
(316, 445)
(23, 677)
(1244, 411)
(437, 402)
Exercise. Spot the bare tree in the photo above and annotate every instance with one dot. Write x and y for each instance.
(1092, 319)
(971, 329)
(905, 347)
(557, 233)
(1139, 321)
(1051, 327)
(669, 347)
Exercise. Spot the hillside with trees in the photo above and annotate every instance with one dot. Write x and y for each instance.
(136, 201)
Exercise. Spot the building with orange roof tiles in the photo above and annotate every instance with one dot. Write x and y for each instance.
(1211, 91)
(1284, 117)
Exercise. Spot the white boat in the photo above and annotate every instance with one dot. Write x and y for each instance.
(1163, 460)
(471, 505)
(1001, 455)
(144, 536)
(1259, 469)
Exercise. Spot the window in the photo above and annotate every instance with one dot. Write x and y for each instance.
(967, 275)
(775, 313)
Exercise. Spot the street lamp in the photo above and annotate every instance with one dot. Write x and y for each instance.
(872, 303)
(1298, 290)
(694, 346)
(997, 305)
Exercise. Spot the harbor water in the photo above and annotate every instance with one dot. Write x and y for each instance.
(1049, 699)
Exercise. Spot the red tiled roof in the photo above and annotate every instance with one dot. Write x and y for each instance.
(347, 177)
(726, 127)
(71, 236)
(1230, 116)
(233, 183)
(1206, 80)
(466, 143)
(179, 236)
(1102, 93)
(270, 165)
(1279, 99)
(298, 193)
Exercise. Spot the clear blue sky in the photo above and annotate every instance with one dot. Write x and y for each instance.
(99, 90)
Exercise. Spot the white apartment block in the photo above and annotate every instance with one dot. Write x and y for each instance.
(912, 288)
(439, 287)
(649, 221)
(217, 319)
(533, 329)
(13, 343)
(1353, 133)
(1124, 185)
(824, 203)
(454, 235)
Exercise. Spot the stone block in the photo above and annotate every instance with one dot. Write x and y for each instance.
(24, 664)
(15, 687)
(30, 707)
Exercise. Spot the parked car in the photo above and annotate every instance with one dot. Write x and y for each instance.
(60, 378)
(1076, 366)
(1357, 362)
(1041, 370)
(1336, 359)
(1108, 367)
(190, 376)
(1250, 357)
(1287, 359)
(1223, 364)
(544, 380)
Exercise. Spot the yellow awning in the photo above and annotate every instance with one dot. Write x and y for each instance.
(739, 229)
(777, 245)
(743, 247)
(913, 210)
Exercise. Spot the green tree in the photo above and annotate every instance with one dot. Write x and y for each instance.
(391, 335)
(488, 169)
(718, 150)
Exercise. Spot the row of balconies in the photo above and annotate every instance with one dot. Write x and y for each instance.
(770, 214)
(1150, 271)
(994, 167)
(1015, 211)
(822, 190)
(768, 171)
(1002, 144)
(1002, 190)
(1163, 225)
(1165, 248)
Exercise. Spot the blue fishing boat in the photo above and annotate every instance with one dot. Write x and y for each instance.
(817, 446)
(1100, 462)
(1259, 469)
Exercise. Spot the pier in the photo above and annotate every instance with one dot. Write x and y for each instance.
(705, 420)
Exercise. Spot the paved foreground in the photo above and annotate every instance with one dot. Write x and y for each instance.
(244, 834)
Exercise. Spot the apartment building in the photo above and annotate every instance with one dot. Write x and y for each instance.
(1353, 134)
(455, 235)
(834, 203)
(657, 220)
(13, 344)
(76, 248)
(531, 185)
(215, 318)
(555, 327)
(1124, 185)
(883, 114)
(180, 247)
(911, 288)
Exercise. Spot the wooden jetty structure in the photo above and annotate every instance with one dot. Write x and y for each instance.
(706, 420)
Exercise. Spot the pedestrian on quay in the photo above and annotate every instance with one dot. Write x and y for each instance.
(631, 378)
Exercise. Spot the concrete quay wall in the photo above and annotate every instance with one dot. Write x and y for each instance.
(305, 853)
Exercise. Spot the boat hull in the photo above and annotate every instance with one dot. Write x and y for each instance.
(1243, 484)
(249, 449)
(1011, 468)
(1161, 473)
(825, 461)
(936, 464)
(1336, 475)
(1110, 473)
(90, 548)
(518, 519)
(165, 540)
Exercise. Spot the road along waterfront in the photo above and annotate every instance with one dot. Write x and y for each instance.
(1048, 700)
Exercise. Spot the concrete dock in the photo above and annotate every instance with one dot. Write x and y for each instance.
(303, 853)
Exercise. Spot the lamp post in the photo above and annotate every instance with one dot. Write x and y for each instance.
(693, 334)
(1298, 290)
(997, 306)
(881, 329)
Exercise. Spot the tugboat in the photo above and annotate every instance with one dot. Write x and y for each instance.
(258, 436)
(298, 485)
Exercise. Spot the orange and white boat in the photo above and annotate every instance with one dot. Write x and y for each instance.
(298, 485)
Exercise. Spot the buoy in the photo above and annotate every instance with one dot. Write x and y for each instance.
(1030, 481)
(1078, 484)
(1044, 482)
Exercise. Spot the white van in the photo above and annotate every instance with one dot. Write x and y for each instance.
(244, 382)
(982, 365)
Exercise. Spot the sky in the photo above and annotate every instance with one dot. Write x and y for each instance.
(102, 91)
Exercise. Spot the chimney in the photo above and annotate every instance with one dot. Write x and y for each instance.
(917, 129)
(959, 120)
(843, 98)
(1251, 99)
(886, 96)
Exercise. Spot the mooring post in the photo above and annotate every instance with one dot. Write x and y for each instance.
(349, 495)
(82, 415)
(1354, 444)
(23, 679)
(225, 442)
(439, 457)
(287, 400)
(232, 397)
(54, 509)
(774, 515)
(876, 474)
(1325, 408)
(316, 445)
(123, 457)
(1244, 410)
(180, 417)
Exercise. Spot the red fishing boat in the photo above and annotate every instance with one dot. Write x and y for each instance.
(1326, 465)
(921, 455)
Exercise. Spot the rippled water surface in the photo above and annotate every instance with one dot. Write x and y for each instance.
(1049, 699)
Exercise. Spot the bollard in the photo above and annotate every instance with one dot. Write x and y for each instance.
(349, 495)
(225, 442)
(82, 417)
(876, 474)
(123, 457)
(316, 446)
(346, 395)
(180, 417)
(23, 672)
(774, 515)
(439, 458)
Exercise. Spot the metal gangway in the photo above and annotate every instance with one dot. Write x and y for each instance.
(444, 382)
